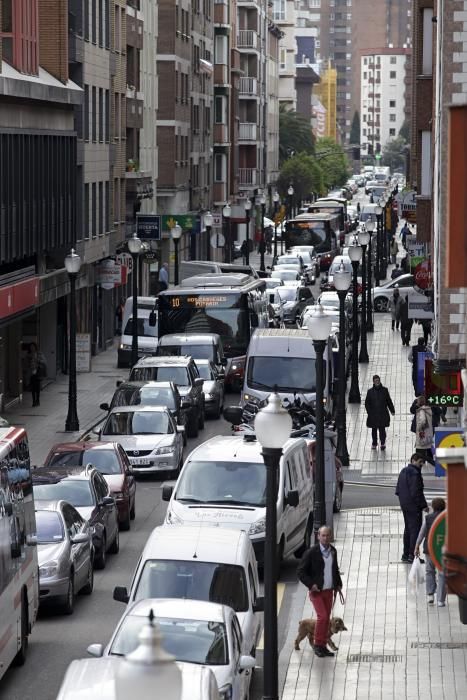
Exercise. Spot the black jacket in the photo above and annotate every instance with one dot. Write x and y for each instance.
(311, 568)
(378, 403)
(410, 489)
(415, 350)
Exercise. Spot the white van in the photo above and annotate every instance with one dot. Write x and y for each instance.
(283, 360)
(223, 482)
(200, 346)
(201, 563)
(95, 678)
(147, 330)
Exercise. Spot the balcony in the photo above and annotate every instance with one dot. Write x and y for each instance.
(221, 74)
(221, 135)
(221, 13)
(247, 39)
(139, 183)
(248, 177)
(134, 28)
(249, 87)
(134, 112)
(247, 131)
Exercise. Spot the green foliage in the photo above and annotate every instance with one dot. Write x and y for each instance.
(355, 128)
(333, 162)
(295, 135)
(394, 153)
(304, 173)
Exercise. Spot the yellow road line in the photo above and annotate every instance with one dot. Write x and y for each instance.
(280, 598)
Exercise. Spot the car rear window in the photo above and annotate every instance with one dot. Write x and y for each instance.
(105, 461)
(77, 492)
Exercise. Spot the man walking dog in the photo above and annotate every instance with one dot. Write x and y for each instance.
(319, 572)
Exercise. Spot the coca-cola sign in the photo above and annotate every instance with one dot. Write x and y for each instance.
(422, 274)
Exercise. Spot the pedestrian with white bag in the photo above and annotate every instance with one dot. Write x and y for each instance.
(432, 586)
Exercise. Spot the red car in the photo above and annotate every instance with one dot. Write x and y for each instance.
(111, 461)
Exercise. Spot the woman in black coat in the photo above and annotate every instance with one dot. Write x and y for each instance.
(378, 405)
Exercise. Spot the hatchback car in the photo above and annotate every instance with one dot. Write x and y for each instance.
(111, 461)
(89, 493)
(213, 387)
(292, 302)
(65, 553)
(149, 435)
(194, 631)
(183, 372)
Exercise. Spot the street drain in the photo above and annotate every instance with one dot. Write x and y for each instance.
(438, 645)
(374, 658)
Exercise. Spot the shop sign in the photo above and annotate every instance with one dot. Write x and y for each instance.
(148, 227)
(186, 221)
(83, 352)
(420, 306)
(109, 274)
(446, 438)
(126, 260)
(422, 274)
(18, 297)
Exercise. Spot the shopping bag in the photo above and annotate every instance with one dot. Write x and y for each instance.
(416, 575)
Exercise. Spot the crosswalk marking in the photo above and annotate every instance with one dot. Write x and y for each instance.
(280, 598)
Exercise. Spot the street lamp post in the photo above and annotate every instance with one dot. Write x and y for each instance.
(290, 192)
(275, 199)
(208, 224)
(226, 212)
(134, 246)
(176, 233)
(342, 279)
(355, 255)
(72, 266)
(248, 206)
(319, 328)
(363, 238)
(378, 272)
(262, 247)
(370, 227)
(273, 425)
(148, 671)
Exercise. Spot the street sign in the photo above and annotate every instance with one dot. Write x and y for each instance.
(109, 274)
(126, 260)
(445, 438)
(148, 227)
(217, 240)
(436, 538)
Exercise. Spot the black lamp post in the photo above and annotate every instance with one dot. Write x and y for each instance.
(72, 266)
(262, 246)
(248, 205)
(364, 238)
(290, 192)
(273, 425)
(176, 233)
(319, 328)
(378, 272)
(275, 199)
(384, 260)
(370, 227)
(355, 255)
(208, 224)
(134, 246)
(342, 279)
(226, 212)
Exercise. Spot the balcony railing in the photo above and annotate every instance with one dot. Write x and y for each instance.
(248, 86)
(247, 131)
(247, 176)
(247, 39)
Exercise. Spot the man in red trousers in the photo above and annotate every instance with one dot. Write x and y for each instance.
(319, 572)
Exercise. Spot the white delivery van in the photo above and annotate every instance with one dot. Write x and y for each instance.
(223, 482)
(95, 678)
(283, 360)
(147, 330)
(201, 563)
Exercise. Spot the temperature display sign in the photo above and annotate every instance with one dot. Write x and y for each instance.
(443, 388)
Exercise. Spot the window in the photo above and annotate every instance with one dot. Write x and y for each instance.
(19, 31)
(364, 132)
(94, 114)
(364, 118)
(282, 58)
(220, 109)
(94, 209)
(425, 189)
(101, 115)
(107, 206)
(392, 75)
(279, 10)
(427, 42)
(221, 49)
(365, 74)
(392, 132)
(393, 60)
(101, 209)
(107, 116)
(220, 162)
(392, 117)
(86, 211)
(392, 103)
(101, 22)
(86, 112)
(93, 22)
(86, 21)
(107, 23)
(365, 61)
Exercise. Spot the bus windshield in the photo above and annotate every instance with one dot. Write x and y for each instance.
(315, 232)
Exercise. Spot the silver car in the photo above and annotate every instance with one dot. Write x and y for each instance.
(213, 387)
(65, 552)
(149, 435)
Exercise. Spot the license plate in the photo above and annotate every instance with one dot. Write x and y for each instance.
(139, 460)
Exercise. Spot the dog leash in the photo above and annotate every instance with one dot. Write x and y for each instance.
(341, 598)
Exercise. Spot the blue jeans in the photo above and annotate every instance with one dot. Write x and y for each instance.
(430, 580)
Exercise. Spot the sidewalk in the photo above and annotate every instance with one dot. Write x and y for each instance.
(397, 647)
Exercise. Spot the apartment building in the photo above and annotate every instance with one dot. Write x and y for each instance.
(284, 15)
(38, 166)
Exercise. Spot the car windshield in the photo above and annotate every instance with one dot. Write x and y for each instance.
(285, 374)
(194, 641)
(205, 371)
(198, 352)
(77, 492)
(288, 261)
(235, 483)
(105, 461)
(285, 274)
(196, 580)
(154, 396)
(177, 375)
(331, 302)
(49, 527)
(142, 328)
(137, 423)
(287, 293)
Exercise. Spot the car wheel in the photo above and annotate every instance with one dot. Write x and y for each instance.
(192, 427)
(133, 509)
(306, 540)
(125, 523)
(88, 587)
(115, 546)
(20, 658)
(380, 304)
(337, 505)
(101, 559)
(69, 603)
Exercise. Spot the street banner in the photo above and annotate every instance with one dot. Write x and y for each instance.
(446, 437)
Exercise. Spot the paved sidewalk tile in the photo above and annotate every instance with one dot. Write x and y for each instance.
(397, 647)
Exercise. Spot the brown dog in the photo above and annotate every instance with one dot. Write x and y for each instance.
(306, 628)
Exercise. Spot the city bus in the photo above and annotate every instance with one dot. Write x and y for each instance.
(319, 229)
(19, 573)
(333, 205)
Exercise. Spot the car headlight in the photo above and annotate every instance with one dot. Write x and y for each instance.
(164, 450)
(225, 693)
(48, 570)
(258, 527)
(124, 346)
(172, 518)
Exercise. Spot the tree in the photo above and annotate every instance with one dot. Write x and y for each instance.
(355, 128)
(295, 135)
(404, 131)
(304, 173)
(394, 154)
(333, 162)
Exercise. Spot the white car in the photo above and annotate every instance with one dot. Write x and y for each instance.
(193, 631)
(285, 275)
(383, 294)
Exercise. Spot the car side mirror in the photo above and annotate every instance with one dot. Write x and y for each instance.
(258, 605)
(153, 319)
(292, 499)
(198, 382)
(233, 414)
(31, 540)
(185, 403)
(167, 492)
(180, 428)
(121, 594)
(246, 663)
(80, 538)
(118, 383)
(104, 407)
(108, 501)
(96, 650)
